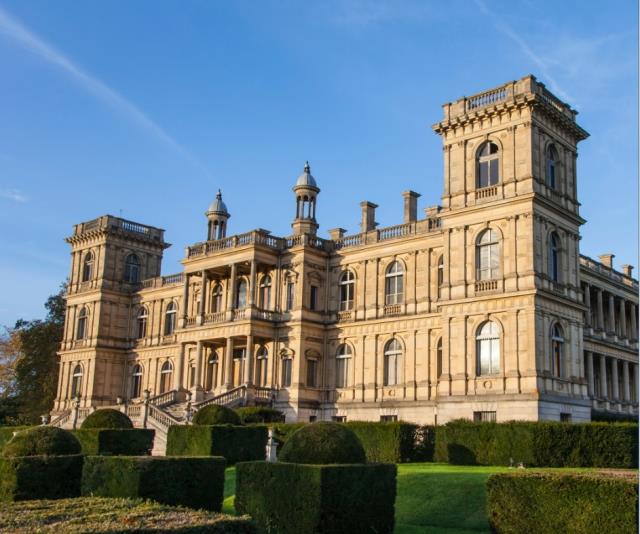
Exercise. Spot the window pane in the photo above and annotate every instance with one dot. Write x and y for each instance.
(483, 178)
(493, 176)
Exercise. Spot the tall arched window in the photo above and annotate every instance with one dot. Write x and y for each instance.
(551, 170)
(488, 349)
(439, 358)
(487, 255)
(265, 292)
(76, 381)
(87, 267)
(132, 269)
(166, 376)
(394, 287)
(241, 294)
(343, 359)
(554, 257)
(83, 317)
(212, 371)
(262, 357)
(170, 319)
(392, 358)
(136, 381)
(347, 289)
(488, 165)
(216, 299)
(312, 372)
(142, 323)
(557, 350)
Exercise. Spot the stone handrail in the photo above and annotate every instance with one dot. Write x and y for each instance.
(134, 411)
(162, 418)
(263, 393)
(488, 98)
(61, 419)
(215, 317)
(163, 399)
(224, 399)
(392, 309)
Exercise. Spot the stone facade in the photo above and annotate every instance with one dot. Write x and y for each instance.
(484, 308)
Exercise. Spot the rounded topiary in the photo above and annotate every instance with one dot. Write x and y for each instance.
(323, 443)
(107, 418)
(214, 414)
(42, 441)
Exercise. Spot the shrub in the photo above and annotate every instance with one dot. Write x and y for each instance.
(283, 431)
(548, 503)
(6, 433)
(128, 442)
(259, 414)
(293, 498)
(40, 477)
(323, 443)
(107, 418)
(192, 482)
(215, 414)
(538, 444)
(394, 442)
(42, 440)
(122, 516)
(234, 443)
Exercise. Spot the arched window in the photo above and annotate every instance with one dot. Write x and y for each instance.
(212, 371)
(166, 375)
(136, 381)
(87, 267)
(241, 294)
(262, 357)
(76, 381)
(488, 165)
(557, 350)
(343, 359)
(392, 357)
(170, 319)
(554, 257)
(286, 371)
(488, 349)
(394, 287)
(132, 269)
(551, 170)
(265, 292)
(81, 331)
(216, 299)
(440, 274)
(439, 358)
(347, 289)
(142, 323)
(487, 255)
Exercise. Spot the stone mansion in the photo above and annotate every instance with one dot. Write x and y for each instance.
(482, 308)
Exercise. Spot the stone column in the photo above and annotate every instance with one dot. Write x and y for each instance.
(251, 298)
(232, 288)
(228, 364)
(587, 303)
(590, 383)
(180, 369)
(204, 298)
(198, 378)
(611, 329)
(185, 296)
(248, 363)
(625, 381)
(599, 310)
(615, 393)
(623, 319)
(603, 376)
(634, 325)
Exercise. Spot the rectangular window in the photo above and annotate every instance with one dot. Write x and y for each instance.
(290, 296)
(313, 418)
(565, 417)
(388, 418)
(339, 418)
(484, 417)
(342, 370)
(312, 373)
(313, 298)
(286, 372)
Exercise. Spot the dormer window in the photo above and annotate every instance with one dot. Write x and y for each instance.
(488, 161)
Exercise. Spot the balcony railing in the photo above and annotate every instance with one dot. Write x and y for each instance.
(489, 98)
(483, 286)
(607, 272)
(486, 192)
(346, 315)
(392, 309)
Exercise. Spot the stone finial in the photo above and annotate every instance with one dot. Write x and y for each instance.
(410, 213)
(607, 260)
(627, 270)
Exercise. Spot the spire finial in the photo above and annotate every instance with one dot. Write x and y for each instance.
(219, 194)
(307, 168)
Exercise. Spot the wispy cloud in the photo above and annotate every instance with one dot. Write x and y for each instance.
(541, 63)
(13, 194)
(18, 33)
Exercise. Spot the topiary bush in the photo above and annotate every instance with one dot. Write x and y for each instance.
(42, 441)
(107, 418)
(259, 414)
(214, 414)
(323, 443)
(126, 442)
(394, 442)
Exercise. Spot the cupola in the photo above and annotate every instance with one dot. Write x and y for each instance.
(306, 191)
(217, 216)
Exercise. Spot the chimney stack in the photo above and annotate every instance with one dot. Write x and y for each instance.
(410, 206)
(337, 233)
(368, 221)
(628, 270)
(607, 260)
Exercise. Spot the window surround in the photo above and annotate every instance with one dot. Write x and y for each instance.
(343, 361)
(132, 269)
(347, 284)
(557, 350)
(394, 283)
(87, 267)
(393, 352)
(170, 315)
(488, 255)
(488, 164)
(488, 348)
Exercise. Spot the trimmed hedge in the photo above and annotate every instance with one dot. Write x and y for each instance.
(548, 503)
(215, 414)
(115, 516)
(107, 418)
(126, 442)
(40, 477)
(395, 442)
(293, 498)
(259, 414)
(42, 440)
(234, 443)
(538, 444)
(6, 433)
(282, 431)
(323, 443)
(193, 482)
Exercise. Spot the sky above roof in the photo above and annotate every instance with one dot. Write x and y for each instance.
(144, 109)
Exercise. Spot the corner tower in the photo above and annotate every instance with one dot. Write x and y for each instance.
(306, 191)
(217, 215)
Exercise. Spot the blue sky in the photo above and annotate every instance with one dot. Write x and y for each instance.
(146, 108)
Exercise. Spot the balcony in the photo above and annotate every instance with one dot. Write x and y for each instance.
(487, 192)
(485, 286)
(391, 310)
